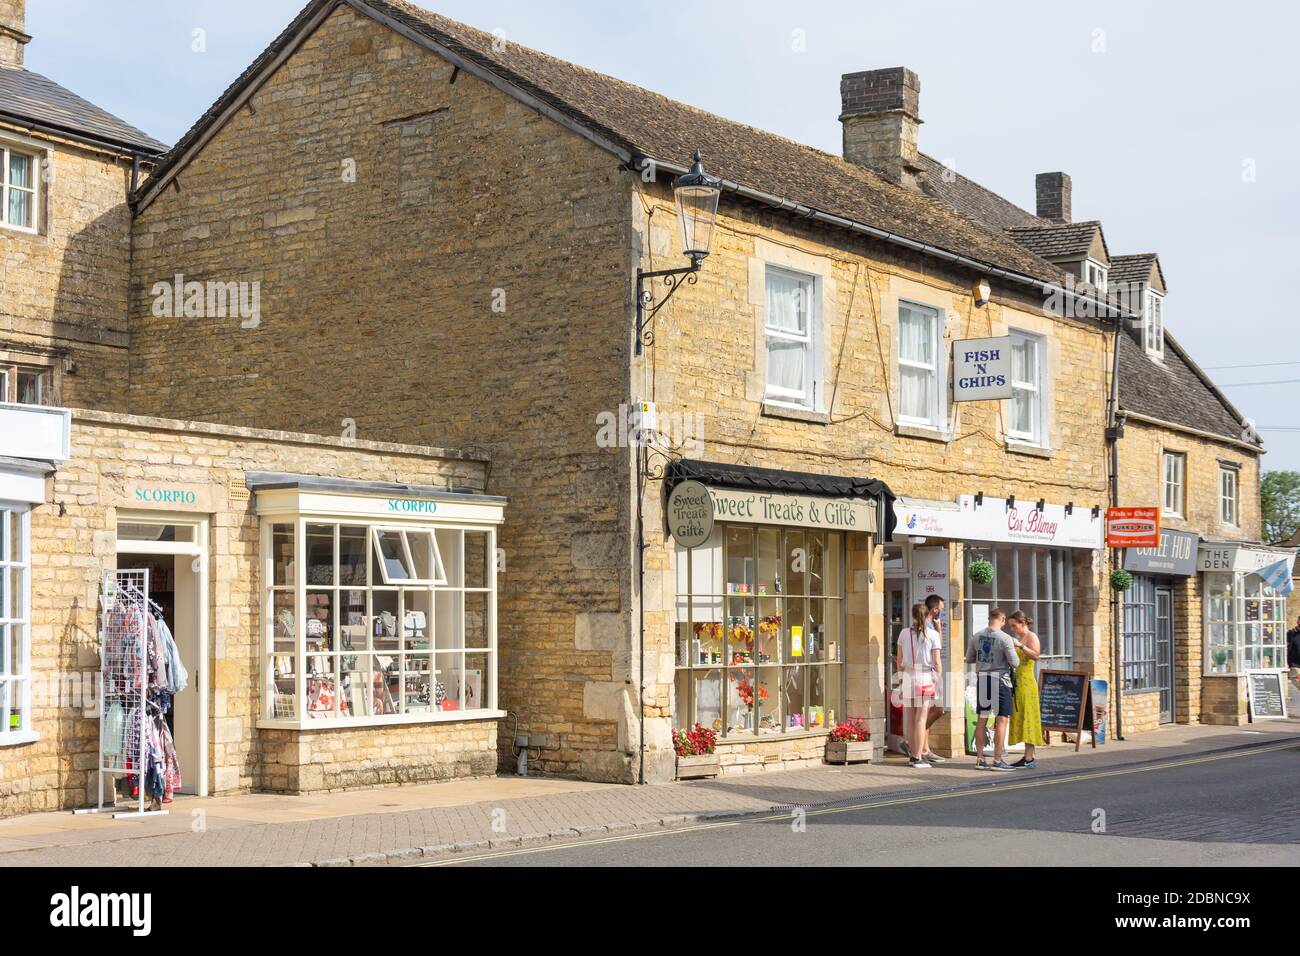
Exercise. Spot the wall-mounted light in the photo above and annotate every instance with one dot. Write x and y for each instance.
(979, 500)
(1011, 502)
(982, 293)
(1042, 505)
(1069, 510)
(1096, 512)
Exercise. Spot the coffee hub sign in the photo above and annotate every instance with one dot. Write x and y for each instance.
(1175, 556)
(804, 511)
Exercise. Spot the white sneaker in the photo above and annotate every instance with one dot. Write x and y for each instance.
(919, 764)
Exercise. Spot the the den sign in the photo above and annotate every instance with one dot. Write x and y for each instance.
(981, 370)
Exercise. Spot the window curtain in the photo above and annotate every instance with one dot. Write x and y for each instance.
(20, 176)
(916, 345)
(1024, 378)
(788, 349)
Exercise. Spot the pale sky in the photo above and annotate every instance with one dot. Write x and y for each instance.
(1177, 122)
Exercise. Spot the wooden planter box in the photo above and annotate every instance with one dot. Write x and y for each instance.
(697, 768)
(858, 751)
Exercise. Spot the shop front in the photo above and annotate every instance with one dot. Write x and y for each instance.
(772, 613)
(1158, 631)
(326, 610)
(1039, 558)
(1244, 620)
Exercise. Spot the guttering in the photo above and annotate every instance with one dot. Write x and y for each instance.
(807, 212)
(1187, 429)
(119, 150)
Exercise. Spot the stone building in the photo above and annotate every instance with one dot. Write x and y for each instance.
(417, 236)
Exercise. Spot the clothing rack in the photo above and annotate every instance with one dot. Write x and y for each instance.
(124, 704)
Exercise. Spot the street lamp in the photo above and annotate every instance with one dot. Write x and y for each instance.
(697, 195)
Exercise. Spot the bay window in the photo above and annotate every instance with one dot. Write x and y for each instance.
(792, 333)
(1027, 385)
(18, 189)
(760, 631)
(369, 622)
(1245, 624)
(920, 366)
(15, 624)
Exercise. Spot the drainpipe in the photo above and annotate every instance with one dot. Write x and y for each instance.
(1114, 432)
(640, 577)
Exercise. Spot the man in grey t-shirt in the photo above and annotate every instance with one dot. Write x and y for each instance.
(993, 653)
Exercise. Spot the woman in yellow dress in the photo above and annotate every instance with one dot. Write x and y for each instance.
(1026, 716)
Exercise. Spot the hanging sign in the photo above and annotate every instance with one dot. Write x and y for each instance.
(981, 370)
(690, 514)
(1133, 528)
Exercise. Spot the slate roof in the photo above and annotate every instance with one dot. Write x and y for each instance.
(1133, 268)
(974, 201)
(643, 123)
(1070, 240)
(28, 96)
(1175, 391)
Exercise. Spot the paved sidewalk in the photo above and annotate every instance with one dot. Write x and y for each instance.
(431, 821)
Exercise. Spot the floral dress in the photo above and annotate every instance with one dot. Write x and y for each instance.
(1026, 717)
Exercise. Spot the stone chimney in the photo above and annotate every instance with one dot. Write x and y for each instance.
(1053, 192)
(13, 13)
(881, 118)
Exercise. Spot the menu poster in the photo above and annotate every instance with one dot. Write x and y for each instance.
(1065, 699)
(1267, 694)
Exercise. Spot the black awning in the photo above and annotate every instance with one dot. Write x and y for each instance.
(749, 478)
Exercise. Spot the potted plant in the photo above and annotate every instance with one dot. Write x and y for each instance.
(850, 742)
(696, 753)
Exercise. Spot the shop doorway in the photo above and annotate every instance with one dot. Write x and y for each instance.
(897, 616)
(1165, 652)
(175, 553)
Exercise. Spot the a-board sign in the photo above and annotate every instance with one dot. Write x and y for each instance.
(1065, 700)
(1267, 694)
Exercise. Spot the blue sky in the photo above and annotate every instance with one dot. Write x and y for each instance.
(1157, 111)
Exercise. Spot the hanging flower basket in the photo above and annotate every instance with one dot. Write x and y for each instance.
(981, 571)
(1121, 580)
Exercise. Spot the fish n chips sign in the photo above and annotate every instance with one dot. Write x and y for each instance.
(981, 370)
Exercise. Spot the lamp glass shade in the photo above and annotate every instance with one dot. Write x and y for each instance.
(697, 209)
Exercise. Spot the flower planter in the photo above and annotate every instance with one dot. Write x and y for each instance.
(697, 768)
(846, 751)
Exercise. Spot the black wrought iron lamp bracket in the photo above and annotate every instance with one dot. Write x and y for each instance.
(647, 308)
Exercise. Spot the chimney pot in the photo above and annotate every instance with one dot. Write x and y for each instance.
(881, 116)
(13, 15)
(1054, 194)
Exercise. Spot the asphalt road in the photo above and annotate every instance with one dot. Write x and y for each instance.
(1238, 809)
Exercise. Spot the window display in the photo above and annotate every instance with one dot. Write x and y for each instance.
(760, 624)
(396, 622)
(15, 601)
(1245, 624)
(1036, 580)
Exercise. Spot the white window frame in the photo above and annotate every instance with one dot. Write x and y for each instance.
(1230, 495)
(1153, 325)
(1096, 275)
(1243, 628)
(810, 396)
(1038, 387)
(297, 587)
(1175, 504)
(16, 616)
(35, 191)
(937, 371)
(434, 557)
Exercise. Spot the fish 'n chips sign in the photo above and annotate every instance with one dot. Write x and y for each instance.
(1133, 528)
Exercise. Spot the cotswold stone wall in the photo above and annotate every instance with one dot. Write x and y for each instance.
(63, 291)
(438, 264)
(110, 453)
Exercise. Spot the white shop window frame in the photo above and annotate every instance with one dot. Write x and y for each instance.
(266, 645)
(37, 154)
(1244, 587)
(16, 677)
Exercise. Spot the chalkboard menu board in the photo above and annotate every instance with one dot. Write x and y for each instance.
(1267, 695)
(1065, 699)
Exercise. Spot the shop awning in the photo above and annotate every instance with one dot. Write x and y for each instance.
(749, 478)
(316, 495)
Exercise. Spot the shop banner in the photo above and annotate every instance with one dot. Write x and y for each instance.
(1240, 558)
(995, 522)
(1176, 555)
(802, 511)
(1133, 528)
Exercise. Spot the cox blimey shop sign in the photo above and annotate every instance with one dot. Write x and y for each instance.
(981, 370)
